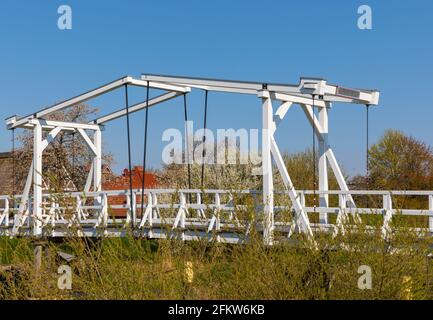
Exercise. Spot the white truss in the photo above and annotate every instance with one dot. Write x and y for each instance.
(310, 93)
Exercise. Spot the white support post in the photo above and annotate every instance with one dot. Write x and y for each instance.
(97, 161)
(200, 211)
(105, 210)
(214, 222)
(268, 187)
(430, 208)
(152, 201)
(129, 208)
(323, 165)
(89, 179)
(387, 215)
(302, 199)
(5, 217)
(155, 213)
(24, 204)
(134, 209)
(37, 180)
(341, 216)
(181, 215)
(78, 208)
(302, 221)
(26, 192)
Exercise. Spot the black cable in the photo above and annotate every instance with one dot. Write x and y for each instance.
(367, 158)
(186, 142)
(129, 151)
(73, 158)
(204, 139)
(13, 163)
(143, 179)
(314, 159)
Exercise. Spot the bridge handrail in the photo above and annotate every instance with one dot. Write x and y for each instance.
(225, 191)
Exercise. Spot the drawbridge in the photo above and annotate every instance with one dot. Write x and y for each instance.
(197, 213)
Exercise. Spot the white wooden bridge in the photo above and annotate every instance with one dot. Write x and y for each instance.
(214, 214)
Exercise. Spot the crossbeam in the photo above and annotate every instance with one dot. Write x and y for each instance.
(15, 122)
(305, 88)
(137, 107)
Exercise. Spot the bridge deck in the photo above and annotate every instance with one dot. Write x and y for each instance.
(220, 215)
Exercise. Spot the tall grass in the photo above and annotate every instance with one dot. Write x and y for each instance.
(132, 268)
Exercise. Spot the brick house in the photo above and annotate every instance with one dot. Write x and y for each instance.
(110, 181)
(122, 183)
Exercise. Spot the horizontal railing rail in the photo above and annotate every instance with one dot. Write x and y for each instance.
(192, 213)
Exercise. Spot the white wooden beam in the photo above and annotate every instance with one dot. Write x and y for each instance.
(307, 100)
(89, 179)
(159, 85)
(97, 162)
(250, 87)
(338, 174)
(268, 186)
(314, 122)
(65, 124)
(302, 220)
(430, 208)
(322, 135)
(37, 180)
(323, 164)
(137, 107)
(24, 200)
(13, 122)
(73, 101)
(89, 142)
(280, 113)
(51, 136)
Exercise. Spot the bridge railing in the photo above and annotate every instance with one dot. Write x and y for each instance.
(207, 211)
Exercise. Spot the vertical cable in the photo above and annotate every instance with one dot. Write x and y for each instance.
(314, 159)
(367, 158)
(187, 144)
(204, 139)
(143, 178)
(129, 151)
(13, 163)
(73, 159)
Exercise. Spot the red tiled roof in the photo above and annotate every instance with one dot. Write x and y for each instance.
(122, 183)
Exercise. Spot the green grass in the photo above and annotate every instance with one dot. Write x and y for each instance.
(129, 268)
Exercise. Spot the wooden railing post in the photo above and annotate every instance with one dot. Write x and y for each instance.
(430, 208)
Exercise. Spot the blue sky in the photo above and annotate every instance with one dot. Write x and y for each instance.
(273, 41)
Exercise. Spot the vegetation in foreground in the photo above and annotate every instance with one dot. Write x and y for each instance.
(130, 268)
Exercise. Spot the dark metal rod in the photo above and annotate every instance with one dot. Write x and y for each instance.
(204, 138)
(314, 161)
(129, 152)
(186, 142)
